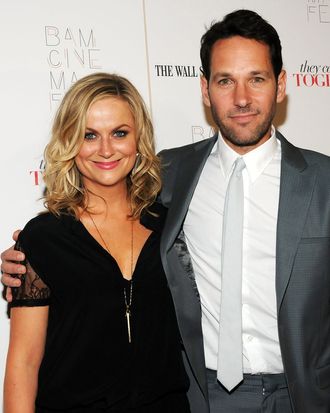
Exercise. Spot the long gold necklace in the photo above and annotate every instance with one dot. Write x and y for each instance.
(128, 303)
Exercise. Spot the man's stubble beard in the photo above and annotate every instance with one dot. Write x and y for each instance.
(256, 136)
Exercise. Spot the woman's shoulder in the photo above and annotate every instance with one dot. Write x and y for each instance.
(154, 217)
(43, 226)
(41, 222)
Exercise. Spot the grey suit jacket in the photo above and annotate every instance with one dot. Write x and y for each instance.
(302, 270)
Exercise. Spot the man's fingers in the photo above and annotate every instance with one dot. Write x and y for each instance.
(10, 281)
(9, 296)
(8, 267)
(15, 234)
(12, 267)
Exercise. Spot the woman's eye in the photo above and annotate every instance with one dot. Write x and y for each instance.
(120, 133)
(90, 136)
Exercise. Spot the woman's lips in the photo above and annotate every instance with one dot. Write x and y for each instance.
(107, 165)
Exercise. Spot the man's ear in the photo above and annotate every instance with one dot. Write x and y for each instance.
(281, 87)
(205, 91)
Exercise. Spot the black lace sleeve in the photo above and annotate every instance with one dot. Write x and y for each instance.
(33, 291)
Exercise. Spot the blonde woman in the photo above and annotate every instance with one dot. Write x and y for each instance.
(93, 328)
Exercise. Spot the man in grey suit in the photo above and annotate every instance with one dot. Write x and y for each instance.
(286, 233)
(284, 256)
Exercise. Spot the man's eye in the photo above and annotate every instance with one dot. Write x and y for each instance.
(224, 82)
(258, 80)
(90, 136)
(120, 133)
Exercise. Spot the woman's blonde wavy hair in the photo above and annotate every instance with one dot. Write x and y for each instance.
(64, 185)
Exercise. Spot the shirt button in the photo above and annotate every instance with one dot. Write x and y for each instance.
(250, 338)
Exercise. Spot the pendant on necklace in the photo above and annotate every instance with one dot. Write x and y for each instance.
(128, 304)
(128, 319)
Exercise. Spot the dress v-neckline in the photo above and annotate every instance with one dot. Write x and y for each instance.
(109, 255)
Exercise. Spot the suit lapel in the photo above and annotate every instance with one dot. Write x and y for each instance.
(182, 287)
(191, 166)
(296, 188)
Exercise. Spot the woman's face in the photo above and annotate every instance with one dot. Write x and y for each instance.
(109, 149)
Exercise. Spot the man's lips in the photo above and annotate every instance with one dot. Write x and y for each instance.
(243, 117)
(107, 165)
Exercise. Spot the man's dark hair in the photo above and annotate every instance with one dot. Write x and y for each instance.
(244, 23)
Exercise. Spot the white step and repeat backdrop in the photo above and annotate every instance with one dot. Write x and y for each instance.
(47, 45)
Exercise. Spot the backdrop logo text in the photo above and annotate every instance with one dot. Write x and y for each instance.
(176, 71)
(318, 11)
(312, 75)
(68, 52)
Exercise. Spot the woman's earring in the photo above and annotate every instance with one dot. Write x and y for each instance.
(136, 164)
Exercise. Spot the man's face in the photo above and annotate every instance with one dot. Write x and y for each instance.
(242, 91)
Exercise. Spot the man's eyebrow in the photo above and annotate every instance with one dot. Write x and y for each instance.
(224, 74)
(260, 72)
(253, 73)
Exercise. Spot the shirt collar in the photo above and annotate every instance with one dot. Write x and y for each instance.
(255, 161)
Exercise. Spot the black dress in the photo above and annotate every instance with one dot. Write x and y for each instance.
(89, 365)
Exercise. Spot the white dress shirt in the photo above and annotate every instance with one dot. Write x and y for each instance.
(203, 232)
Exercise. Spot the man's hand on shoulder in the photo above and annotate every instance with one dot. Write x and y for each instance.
(10, 265)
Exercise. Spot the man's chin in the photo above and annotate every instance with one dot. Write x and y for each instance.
(241, 141)
(246, 142)
(245, 138)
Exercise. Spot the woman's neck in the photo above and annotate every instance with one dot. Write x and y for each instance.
(112, 201)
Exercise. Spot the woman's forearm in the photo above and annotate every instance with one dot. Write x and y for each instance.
(28, 328)
(20, 386)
